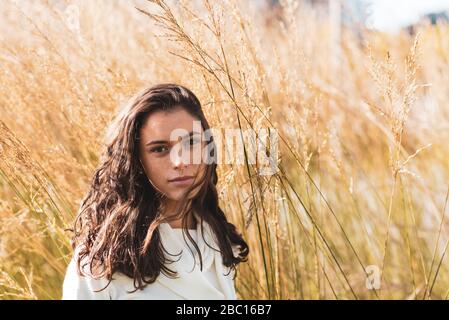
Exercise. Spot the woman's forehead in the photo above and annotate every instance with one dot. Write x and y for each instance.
(161, 124)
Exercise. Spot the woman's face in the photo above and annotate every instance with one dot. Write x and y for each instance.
(170, 147)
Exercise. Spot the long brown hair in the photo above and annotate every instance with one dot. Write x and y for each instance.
(116, 226)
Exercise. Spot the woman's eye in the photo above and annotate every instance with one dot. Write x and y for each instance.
(159, 149)
(193, 141)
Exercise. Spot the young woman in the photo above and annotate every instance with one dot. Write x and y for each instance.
(150, 226)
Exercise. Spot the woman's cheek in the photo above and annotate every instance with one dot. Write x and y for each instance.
(156, 176)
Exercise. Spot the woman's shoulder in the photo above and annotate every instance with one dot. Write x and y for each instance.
(84, 286)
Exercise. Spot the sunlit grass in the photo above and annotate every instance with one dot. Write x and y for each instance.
(362, 176)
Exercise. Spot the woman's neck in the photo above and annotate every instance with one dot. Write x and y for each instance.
(171, 208)
(177, 224)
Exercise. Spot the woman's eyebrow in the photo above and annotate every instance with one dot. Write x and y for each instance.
(165, 141)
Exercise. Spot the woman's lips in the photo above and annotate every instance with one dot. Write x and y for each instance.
(182, 181)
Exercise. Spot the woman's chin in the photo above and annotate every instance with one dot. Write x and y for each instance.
(176, 196)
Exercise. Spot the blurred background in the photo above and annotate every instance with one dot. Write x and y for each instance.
(356, 90)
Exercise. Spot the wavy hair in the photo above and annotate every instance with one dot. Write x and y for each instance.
(116, 225)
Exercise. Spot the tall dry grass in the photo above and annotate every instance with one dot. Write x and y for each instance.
(362, 176)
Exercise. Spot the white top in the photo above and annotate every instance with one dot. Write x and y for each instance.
(210, 272)
(212, 283)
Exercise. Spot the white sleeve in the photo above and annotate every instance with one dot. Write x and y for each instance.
(234, 293)
(77, 287)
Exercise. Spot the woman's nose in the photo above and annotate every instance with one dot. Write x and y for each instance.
(178, 163)
(177, 158)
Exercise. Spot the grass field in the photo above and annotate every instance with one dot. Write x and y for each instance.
(357, 208)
